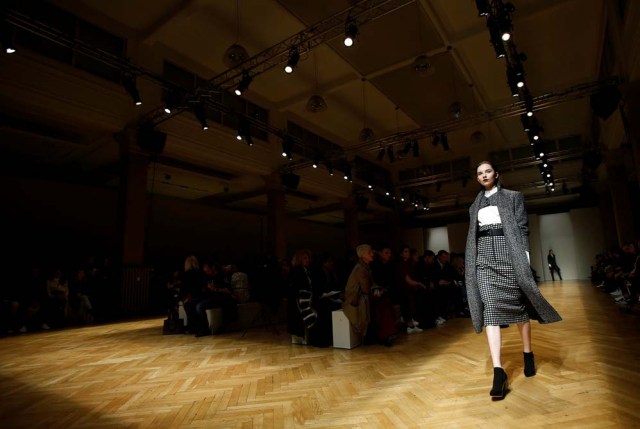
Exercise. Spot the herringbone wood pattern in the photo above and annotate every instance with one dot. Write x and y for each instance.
(130, 375)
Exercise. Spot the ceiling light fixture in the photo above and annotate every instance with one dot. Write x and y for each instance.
(198, 111)
(129, 83)
(292, 62)
(244, 83)
(350, 32)
(484, 7)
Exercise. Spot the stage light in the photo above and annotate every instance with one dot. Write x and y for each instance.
(129, 83)
(350, 32)
(526, 122)
(528, 105)
(380, 154)
(292, 62)
(244, 83)
(287, 147)
(484, 8)
(172, 99)
(198, 111)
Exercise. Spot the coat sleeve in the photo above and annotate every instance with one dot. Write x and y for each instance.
(522, 219)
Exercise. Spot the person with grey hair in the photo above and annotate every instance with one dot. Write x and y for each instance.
(500, 287)
(356, 303)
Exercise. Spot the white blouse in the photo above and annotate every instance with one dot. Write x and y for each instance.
(489, 215)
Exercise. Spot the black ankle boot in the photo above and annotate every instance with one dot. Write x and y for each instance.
(499, 388)
(529, 365)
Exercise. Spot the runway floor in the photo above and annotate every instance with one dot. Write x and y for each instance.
(130, 375)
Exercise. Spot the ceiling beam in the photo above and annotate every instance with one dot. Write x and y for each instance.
(194, 168)
(150, 34)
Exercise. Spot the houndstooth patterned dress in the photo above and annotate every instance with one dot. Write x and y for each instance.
(496, 278)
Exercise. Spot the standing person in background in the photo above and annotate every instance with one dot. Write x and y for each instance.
(553, 265)
(500, 287)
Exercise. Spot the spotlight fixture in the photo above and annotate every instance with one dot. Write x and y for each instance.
(316, 162)
(438, 186)
(129, 83)
(292, 62)
(330, 168)
(528, 105)
(350, 32)
(5, 35)
(287, 146)
(504, 20)
(513, 83)
(198, 111)
(495, 37)
(436, 139)
(484, 8)
(380, 154)
(347, 173)
(526, 122)
(244, 131)
(244, 83)
(172, 99)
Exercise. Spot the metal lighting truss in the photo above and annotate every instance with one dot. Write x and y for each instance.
(362, 12)
(541, 102)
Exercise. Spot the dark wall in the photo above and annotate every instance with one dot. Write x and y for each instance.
(53, 223)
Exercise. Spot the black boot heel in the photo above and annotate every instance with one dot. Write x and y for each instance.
(499, 389)
(529, 365)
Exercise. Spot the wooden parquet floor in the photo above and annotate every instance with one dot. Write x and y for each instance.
(130, 375)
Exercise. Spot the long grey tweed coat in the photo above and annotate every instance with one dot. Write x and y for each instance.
(516, 231)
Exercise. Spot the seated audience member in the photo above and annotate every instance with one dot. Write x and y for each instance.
(327, 297)
(424, 272)
(443, 281)
(80, 297)
(58, 295)
(218, 294)
(172, 294)
(359, 284)
(301, 308)
(193, 292)
(459, 296)
(383, 271)
(239, 282)
(411, 289)
(382, 327)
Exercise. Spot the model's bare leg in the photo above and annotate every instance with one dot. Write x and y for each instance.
(525, 334)
(499, 388)
(495, 344)
(529, 363)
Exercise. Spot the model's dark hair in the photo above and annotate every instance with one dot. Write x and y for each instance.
(490, 163)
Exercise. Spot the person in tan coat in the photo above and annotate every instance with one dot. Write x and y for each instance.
(359, 284)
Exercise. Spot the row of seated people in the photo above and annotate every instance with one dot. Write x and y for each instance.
(199, 289)
(616, 272)
(32, 300)
(408, 293)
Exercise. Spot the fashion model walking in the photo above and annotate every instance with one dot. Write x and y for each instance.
(500, 287)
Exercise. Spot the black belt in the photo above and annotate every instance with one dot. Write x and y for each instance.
(491, 232)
